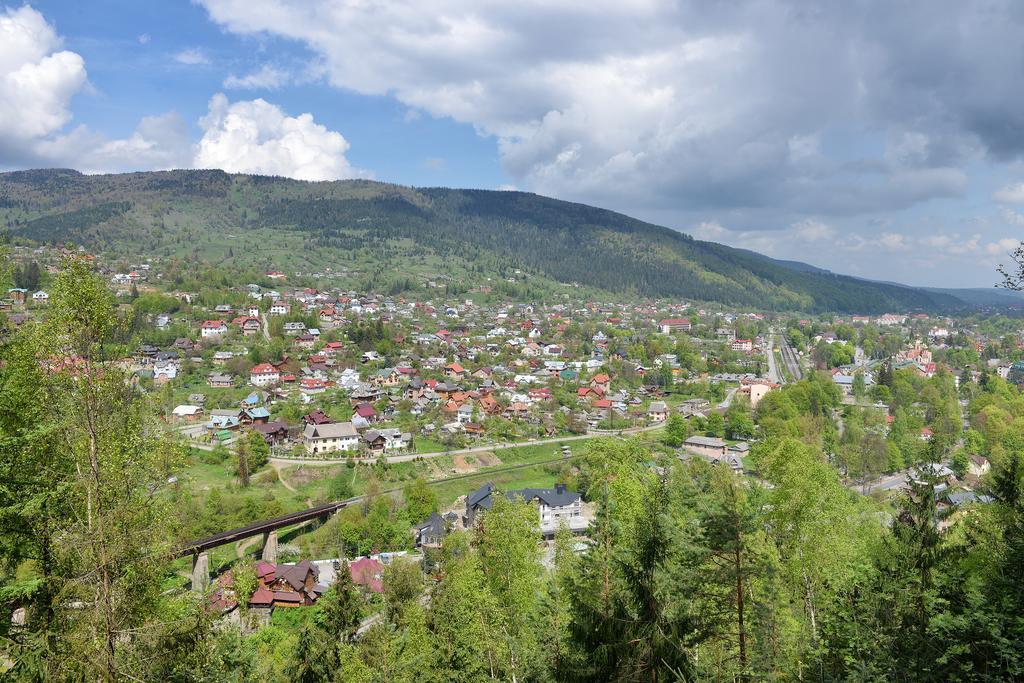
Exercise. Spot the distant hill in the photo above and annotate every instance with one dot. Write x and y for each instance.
(390, 229)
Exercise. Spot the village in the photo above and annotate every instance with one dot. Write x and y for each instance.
(307, 380)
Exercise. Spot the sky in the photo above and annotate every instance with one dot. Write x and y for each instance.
(878, 139)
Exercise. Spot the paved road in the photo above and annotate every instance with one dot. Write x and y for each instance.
(887, 482)
(724, 405)
(406, 457)
(773, 370)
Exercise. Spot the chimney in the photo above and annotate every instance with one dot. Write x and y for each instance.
(559, 488)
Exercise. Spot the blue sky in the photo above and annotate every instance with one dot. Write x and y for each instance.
(877, 140)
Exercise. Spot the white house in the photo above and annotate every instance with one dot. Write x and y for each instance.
(326, 438)
(212, 328)
(264, 375)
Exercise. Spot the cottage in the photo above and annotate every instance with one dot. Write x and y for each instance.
(220, 380)
(431, 533)
(273, 433)
(657, 411)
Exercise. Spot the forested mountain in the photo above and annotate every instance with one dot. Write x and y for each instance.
(389, 227)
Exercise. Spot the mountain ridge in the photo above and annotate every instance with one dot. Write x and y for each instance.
(381, 226)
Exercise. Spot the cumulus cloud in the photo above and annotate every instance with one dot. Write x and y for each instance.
(727, 106)
(157, 143)
(258, 137)
(191, 56)
(1011, 194)
(37, 80)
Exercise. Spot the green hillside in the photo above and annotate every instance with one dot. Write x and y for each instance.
(382, 229)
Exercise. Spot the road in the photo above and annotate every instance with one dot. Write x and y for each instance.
(773, 371)
(407, 457)
(724, 405)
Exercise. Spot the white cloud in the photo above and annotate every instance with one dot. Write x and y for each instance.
(813, 230)
(692, 106)
(258, 137)
(37, 80)
(1011, 194)
(144, 38)
(267, 77)
(191, 56)
(158, 143)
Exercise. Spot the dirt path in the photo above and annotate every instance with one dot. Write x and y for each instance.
(243, 546)
(280, 477)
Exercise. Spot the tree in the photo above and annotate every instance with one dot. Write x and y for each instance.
(715, 424)
(340, 607)
(677, 430)
(859, 386)
(242, 452)
(403, 585)
(506, 541)
(102, 464)
(340, 487)
(258, 450)
(420, 500)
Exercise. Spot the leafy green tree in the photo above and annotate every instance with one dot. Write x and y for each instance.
(403, 586)
(420, 500)
(92, 450)
(715, 425)
(677, 430)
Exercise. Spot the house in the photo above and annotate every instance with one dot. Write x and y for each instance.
(431, 533)
(220, 380)
(258, 415)
(212, 328)
(387, 440)
(40, 297)
(454, 371)
(165, 371)
(978, 465)
(187, 412)
(368, 573)
(330, 437)
(278, 308)
(294, 329)
(17, 295)
(706, 445)
(366, 411)
(274, 433)
(670, 325)
(317, 417)
(745, 345)
(756, 390)
(386, 377)
(657, 411)
(264, 375)
(553, 505)
(692, 406)
(249, 325)
(601, 382)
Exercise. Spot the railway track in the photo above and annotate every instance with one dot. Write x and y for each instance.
(789, 358)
